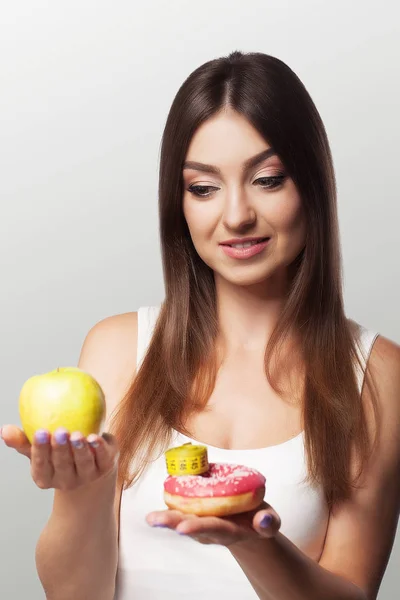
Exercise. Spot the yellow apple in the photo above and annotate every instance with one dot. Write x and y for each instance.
(66, 397)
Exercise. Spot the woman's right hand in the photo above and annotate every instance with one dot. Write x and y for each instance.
(63, 461)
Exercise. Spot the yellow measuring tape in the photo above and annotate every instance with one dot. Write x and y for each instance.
(187, 460)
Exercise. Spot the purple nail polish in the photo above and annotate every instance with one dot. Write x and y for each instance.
(92, 440)
(61, 436)
(266, 521)
(159, 525)
(77, 444)
(41, 436)
(76, 439)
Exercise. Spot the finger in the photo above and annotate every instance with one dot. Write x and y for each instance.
(168, 518)
(105, 451)
(267, 523)
(15, 438)
(62, 458)
(246, 518)
(42, 469)
(85, 464)
(209, 526)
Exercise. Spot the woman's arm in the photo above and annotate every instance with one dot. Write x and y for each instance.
(77, 552)
(361, 532)
(278, 570)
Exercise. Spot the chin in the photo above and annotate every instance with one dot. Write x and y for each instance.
(248, 276)
(272, 269)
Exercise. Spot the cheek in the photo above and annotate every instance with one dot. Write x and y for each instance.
(201, 220)
(287, 216)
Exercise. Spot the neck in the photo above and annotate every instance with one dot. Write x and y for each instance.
(247, 315)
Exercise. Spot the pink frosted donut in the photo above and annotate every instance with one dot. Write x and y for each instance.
(225, 489)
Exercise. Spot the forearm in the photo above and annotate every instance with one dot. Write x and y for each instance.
(77, 552)
(278, 570)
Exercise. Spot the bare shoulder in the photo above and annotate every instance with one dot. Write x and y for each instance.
(109, 354)
(384, 368)
(385, 354)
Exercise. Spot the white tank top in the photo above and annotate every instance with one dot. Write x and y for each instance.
(159, 564)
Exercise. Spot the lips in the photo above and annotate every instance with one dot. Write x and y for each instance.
(244, 242)
(245, 248)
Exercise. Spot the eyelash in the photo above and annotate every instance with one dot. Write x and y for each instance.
(277, 180)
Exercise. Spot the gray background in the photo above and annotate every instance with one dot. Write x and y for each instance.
(85, 90)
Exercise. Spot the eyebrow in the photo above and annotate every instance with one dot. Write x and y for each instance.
(247, 165)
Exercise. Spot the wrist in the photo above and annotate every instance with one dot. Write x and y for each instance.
(95, 497)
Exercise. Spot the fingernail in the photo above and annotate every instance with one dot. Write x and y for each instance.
(92, 440)
(42, 436)
(61, 436)
(77, 444)
(159, 525)
(76, 439)
(266, 521)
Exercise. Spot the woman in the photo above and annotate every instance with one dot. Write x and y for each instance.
(251, 354)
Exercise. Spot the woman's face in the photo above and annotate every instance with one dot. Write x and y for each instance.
(234, 203)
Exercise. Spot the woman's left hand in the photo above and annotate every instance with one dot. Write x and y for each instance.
(263, 522)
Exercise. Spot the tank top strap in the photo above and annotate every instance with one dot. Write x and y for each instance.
(365, 340)
(147, 318)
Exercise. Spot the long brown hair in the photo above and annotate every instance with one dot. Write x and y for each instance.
(179, 369)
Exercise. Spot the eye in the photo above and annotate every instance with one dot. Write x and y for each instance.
(201, 190)
(271, 182)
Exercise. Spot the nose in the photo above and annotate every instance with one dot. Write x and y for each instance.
(238, 214)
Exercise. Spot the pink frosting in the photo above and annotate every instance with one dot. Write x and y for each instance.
(222, 479)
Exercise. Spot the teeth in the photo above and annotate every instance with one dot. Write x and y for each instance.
(245, 245)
